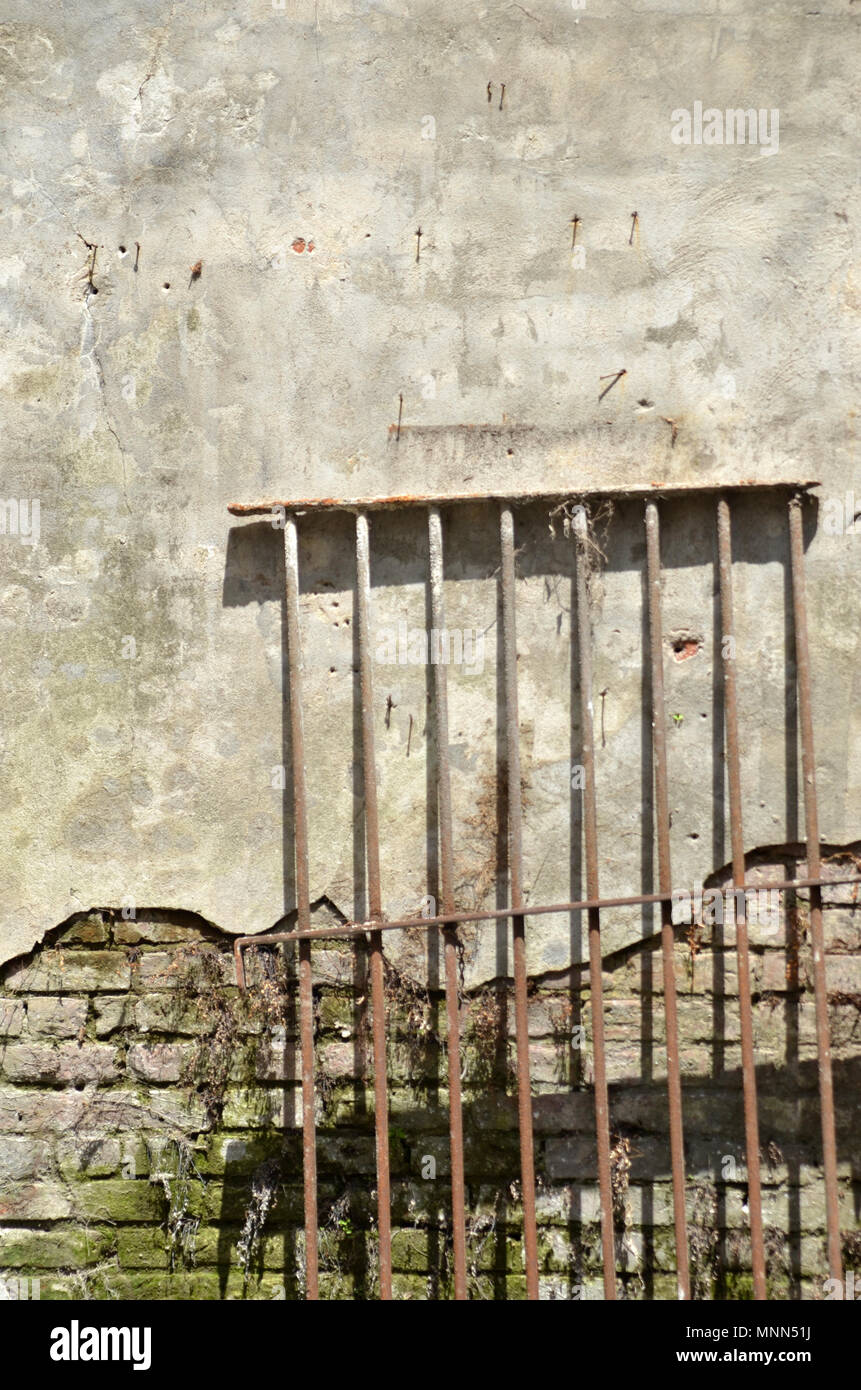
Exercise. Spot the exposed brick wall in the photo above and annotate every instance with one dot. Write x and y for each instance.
(148, 1114)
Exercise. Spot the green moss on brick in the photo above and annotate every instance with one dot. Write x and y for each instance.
(737, 1286)
(57, 1247)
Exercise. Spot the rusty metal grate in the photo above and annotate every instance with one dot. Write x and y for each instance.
(516, 910)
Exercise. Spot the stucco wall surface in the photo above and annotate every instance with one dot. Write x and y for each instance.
(294, 153)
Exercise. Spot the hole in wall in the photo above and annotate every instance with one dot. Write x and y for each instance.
(685, 643)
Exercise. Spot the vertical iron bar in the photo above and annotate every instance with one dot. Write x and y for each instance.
(733, 760)
(303, 905)
(375, 906)
(590, 831)
(814, 870)
(446, 875)
(662, 817)
(515, 864)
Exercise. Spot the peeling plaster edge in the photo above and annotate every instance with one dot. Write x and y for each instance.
(753, 859)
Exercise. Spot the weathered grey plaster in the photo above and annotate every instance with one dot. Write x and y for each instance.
(223, 133)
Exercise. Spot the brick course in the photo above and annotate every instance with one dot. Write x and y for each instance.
(139, 1096)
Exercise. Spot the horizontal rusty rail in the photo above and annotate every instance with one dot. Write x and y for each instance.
(348, 930)
(569, 494)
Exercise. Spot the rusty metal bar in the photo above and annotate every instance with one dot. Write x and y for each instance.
(817, 935)
(662, 817)
(303, 906)
(375, 906)
(349, 929)
(294, 504)
(446, 877)
(239, 962)
(590, 831)
(515, 867)
(733, 761)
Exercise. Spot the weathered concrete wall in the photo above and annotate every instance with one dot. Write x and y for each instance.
(213, 290)
(141, 637)
(150, 1139)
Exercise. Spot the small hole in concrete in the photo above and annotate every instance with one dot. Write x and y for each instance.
(122, 250)
(166, 285)
(685, 645)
